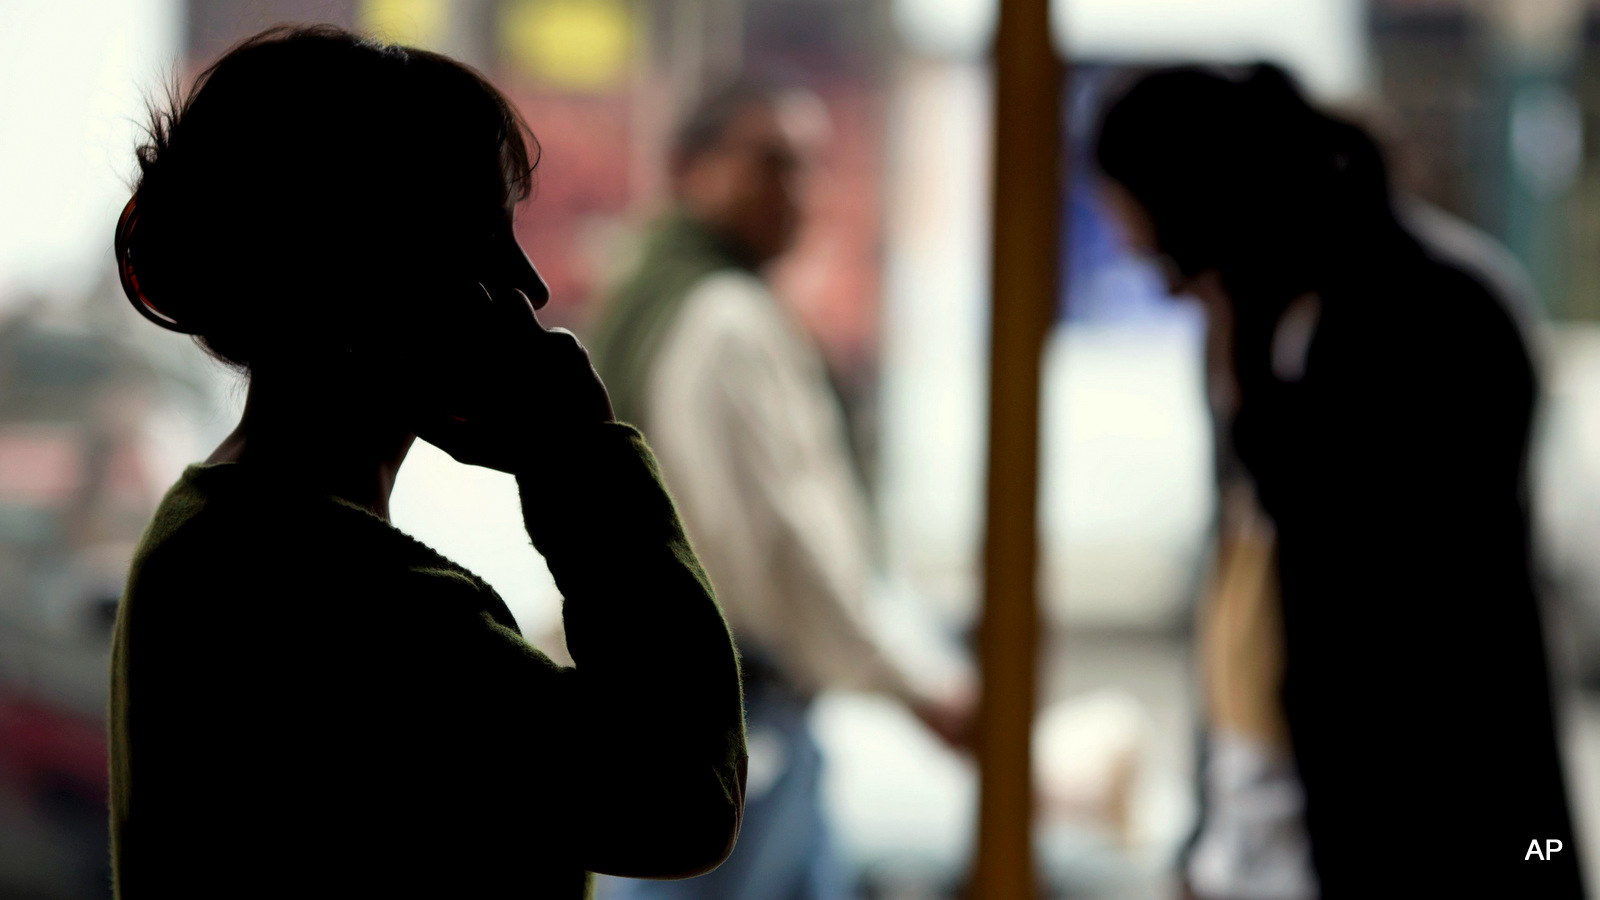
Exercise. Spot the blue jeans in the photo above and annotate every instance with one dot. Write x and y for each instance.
(785, 851)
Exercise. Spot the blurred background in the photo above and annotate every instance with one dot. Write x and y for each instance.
(1484, 107)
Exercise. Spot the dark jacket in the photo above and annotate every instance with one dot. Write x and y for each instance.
(1417, 689)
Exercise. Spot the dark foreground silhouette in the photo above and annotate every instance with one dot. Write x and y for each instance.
(1383, 405)
(304, 699)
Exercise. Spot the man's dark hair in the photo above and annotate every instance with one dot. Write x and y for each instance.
(707, 121)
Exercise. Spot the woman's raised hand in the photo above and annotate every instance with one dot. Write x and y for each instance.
(513, 393)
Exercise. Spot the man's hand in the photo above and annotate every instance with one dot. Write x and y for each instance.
(951, 717)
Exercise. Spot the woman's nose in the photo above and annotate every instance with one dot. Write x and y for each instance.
(526, 278)
(538, 293)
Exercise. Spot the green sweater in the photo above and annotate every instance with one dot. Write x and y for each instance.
(307, 702)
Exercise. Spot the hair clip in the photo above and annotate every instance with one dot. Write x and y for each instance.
(130, 280)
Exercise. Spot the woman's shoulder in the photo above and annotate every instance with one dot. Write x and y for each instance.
(223, 529)
(226, 514)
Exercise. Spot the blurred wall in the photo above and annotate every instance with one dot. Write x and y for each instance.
(73, 78)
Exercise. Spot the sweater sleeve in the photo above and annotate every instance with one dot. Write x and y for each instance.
(653, 701)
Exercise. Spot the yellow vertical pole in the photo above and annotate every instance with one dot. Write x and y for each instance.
(1027, 203)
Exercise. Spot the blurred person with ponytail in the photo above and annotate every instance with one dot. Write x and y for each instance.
(1377, 396)
(305, 700)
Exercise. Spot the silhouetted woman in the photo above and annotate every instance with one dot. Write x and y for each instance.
(1382, 410)
(307, 702)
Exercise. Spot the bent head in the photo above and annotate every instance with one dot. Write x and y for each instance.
(317, 195)
(738, 161)
(1234, 173)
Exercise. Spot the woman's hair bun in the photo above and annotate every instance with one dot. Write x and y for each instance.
(128, 228)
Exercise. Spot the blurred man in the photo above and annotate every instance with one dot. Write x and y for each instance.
(735, 400)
